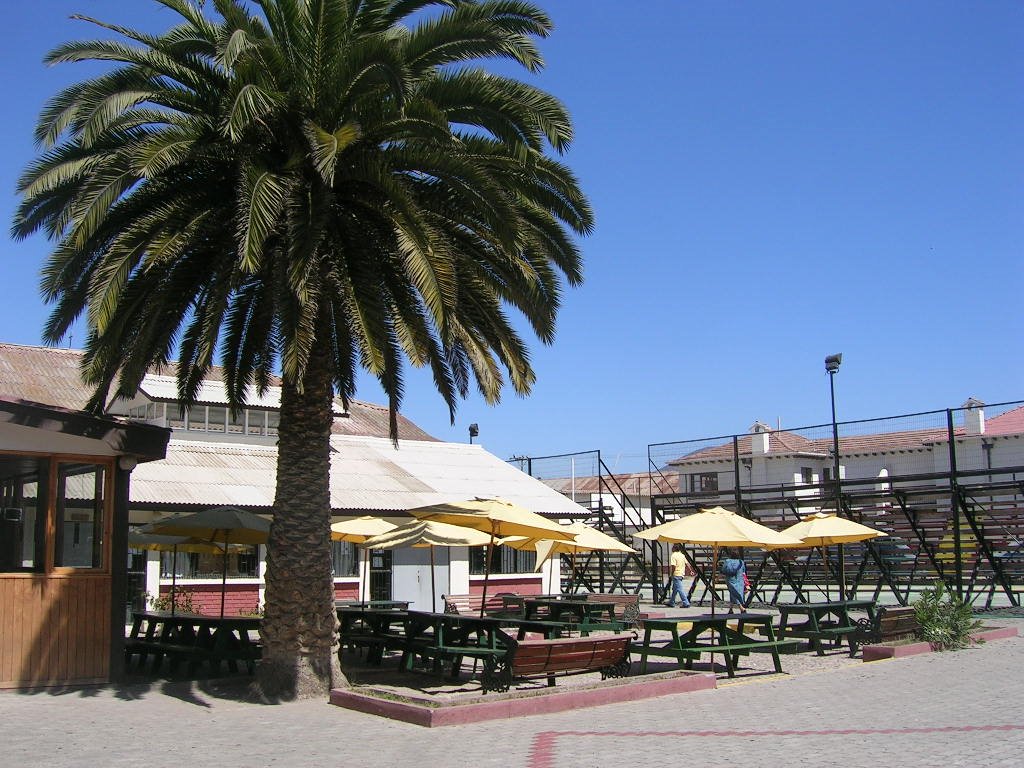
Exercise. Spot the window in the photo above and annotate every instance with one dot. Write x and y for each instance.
(80, 522)
(704, 482)
(215, 418)
(22, 513)
(344, 558)
(236, 423)
(242, 564)
(806, 475)
(826, 474)
(257, 421)
(503, 560)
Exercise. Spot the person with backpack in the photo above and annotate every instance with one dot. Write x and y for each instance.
(735, 572)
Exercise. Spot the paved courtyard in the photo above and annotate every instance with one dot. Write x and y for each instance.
(940, 709)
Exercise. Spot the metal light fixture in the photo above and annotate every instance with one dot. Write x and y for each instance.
(474, 430)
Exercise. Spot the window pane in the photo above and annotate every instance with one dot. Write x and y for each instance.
(79, 516)
(242, 564)
(236, 424)
(503, 560)
(257, 422)
(22, 531)
(215, 418)
(175, 416)
(344, 558)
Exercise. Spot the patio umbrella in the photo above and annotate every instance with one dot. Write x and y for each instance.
(152, 541)
(717, 527)
(824, 528)
(357, 530)
(588, 539)
(496, 517)
(229, 525)
(428, 533)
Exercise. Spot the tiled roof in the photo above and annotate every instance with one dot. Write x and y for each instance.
(788, 443)
(50, 375)
(1006, 423)
(639, 483)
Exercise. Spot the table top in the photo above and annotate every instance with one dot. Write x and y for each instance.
(197, 618)
(824, 607)
(721, 618)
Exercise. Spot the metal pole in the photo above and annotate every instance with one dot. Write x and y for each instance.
(954, 503)
(832, 368)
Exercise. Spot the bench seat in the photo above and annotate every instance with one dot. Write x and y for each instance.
(607, 654)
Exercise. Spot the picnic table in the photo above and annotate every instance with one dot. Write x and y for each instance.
(375, 629)
(725, 633)
(448, 637)
(193, 638)
(826, 621)
(399, 605)
(585, 615)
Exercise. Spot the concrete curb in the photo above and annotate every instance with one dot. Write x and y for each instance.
(880, 652)
(540, 704)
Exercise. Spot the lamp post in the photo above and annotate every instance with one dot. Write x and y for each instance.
(832, 363)
(474, 430)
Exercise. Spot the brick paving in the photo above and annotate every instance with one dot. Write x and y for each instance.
(948, 709)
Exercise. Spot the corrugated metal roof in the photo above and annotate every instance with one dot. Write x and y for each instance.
(165, 388)
(367, 474)
(52, 376)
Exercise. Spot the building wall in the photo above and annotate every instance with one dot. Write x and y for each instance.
(55, 629)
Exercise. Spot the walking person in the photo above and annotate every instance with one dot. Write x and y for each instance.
(735, 572)
(677, 568)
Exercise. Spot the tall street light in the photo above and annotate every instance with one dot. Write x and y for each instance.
(832, 363)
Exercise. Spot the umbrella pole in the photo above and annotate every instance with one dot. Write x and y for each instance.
(487, 572)
(824, 556)
(364, 588)
(433, 586)
(174, 578)
(842, 573)
(714, 574)
(224, 575)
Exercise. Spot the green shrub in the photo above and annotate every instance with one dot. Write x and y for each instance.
(946, 621)
(182, 601)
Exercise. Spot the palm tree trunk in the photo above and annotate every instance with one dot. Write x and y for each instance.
(300, 626)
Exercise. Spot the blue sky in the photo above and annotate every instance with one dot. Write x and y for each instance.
(772, 182)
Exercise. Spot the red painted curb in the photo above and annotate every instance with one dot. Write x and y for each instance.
(541, 704)
(879, 652)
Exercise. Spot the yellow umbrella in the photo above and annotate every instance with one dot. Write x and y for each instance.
(717, 527)
(588, 539)
(824, 528)
(428, 533)
(357, 530)
(496, 517)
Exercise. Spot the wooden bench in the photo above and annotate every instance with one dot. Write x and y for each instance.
(890, 623)
(627, 605)
(607, 654)
(498, 604)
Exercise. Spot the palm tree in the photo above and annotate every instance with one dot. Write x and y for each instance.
(312, 187)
